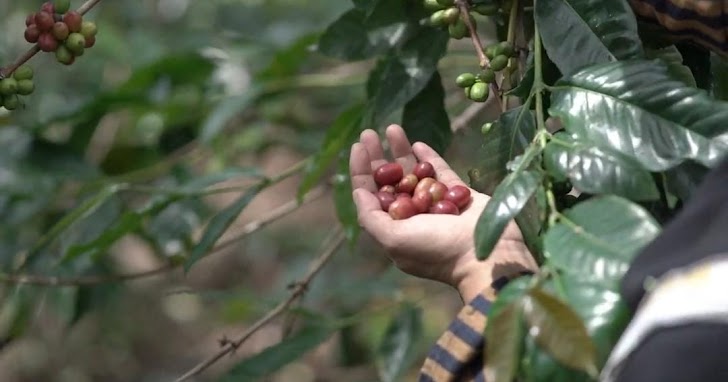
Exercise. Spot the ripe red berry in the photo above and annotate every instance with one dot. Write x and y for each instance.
(438, 190)
(407, 184)
(74, 20)
(90, 41)
(424, 184)
(388, 174)
(44, 21)
(60, 31)
(30, 20)
(422, 201)
(458, 195)
(424, 170)
(48, 7)
(32, 34)
(47, 43)
(402, 208)
(444, 207)
(385, 199)
(388, 188)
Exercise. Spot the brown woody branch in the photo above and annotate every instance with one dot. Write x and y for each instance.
(7, 71)
(297, 290)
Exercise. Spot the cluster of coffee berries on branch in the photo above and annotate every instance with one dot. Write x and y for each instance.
(21, 83)
(447, 14)
(57, 29)
(404, 196)
(476, 85)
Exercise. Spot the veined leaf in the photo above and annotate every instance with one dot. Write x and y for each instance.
(671, 56)
(395, 350)
(343, 199)
(504, 343)
(425, 119)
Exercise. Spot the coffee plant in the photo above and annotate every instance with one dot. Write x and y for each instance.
(592, 130)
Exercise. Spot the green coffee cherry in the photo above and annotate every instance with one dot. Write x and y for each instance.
(446, 3)
(64, 56)
(499, 63)
(479, 92)
(433, 5)
(504, 48)
(89, 29)
(24, 72)
(486, 128)
(62, 6)
(486, 9)
(458, 30)
(11, 102)
(490, 51)
(76, 43)
(466, 91)
(437, 19)
(487, 76)
(8, 86)
(465, 80)
(26, 87)
(451, 15)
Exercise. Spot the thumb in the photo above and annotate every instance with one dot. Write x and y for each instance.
(371, 216)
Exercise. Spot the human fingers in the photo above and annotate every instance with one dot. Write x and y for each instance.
(372, 218)
(445, 174)
(401, 147)
(360, 168)
(370, 139)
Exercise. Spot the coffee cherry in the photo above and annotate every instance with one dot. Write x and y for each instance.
(385, 200)
(88, 29)
(47, 43)
(65, 56)
(424, 185)
(479, 92)
(90, 41)
(407, 184)
(62, 6)
(490, 51)
(388, 188)
(451, 15)
(48, 7)
(30, 20)
(466, 91)
(499, 63)
(388, 174)
(446, 3)
(44, 21)
(8, 86)
(402, 208)
(424, 170)
(458, 30)
(486, 9)
(458, 195)
(444, 207)
(24, 72)
(422, 201)
(60, 31)
(11, 102)
(487, 76)
(76, 43)
(437, 190)
(26, 87)
(437, 19)
(504, 48)
(74, 20)
(465, 80)
(486, 128)
(32, 34)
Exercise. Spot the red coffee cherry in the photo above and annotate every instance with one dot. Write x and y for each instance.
(424, 184)
(402, 208)
(438, 190)
(47, 43)
(458, 195)
(422, 201)
(444, 207)
(44, 21)
(90, 41)
(388, 174)
(385, 199)
(74, 20)
(424, 170)
(48, 7)
(407, 184)
(388, 188)
(60, 31)
(30, 20)
(402, 195)
(32, 34)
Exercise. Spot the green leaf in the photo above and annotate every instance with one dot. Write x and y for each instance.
(671, 56)
(598, 170)
(719, 69)
(286, 62)
(343, 199)
(219, 224)
(341, 133)
(599, 237)
(508, 200)
(396, 350)
(225, 111)
(558, 330)
(504, 343)
(275, 357)
(635, 108)
(425, 119)
(580, 33)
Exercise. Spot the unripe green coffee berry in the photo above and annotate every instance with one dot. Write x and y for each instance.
(26, 87)
(76, 43)
(24, 72)
(88, 29)
(487, 76)
(486, 128)
(499, 63)
(486, 9)
(451, 15)
(437, 19)
(62, 6)
(64, 56)
(8, 86)
(433, 5)
(467, 92)
(458, 30)
(11, 102)
(446, 3)
(479, 92)
(490, 51)
(465, 80)
(504, 48)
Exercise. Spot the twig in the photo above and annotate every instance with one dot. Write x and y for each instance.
(299, 288)
(6, 72)
(248, 229)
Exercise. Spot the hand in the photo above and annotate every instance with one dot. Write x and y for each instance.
(436, 247)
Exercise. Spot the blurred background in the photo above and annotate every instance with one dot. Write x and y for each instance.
(165, 97)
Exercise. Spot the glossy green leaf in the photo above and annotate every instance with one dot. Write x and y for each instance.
(343, 199)
(580, 33)
(504, 335)
(425, 119)
(598, 170)
(219, 224)
(398, 344)
(719, 69)
(508, 200)
(272, 359)
(341, 133)
(599, 237)
(287, 61)
(671, 56)
(558, 330)
(635, 108)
